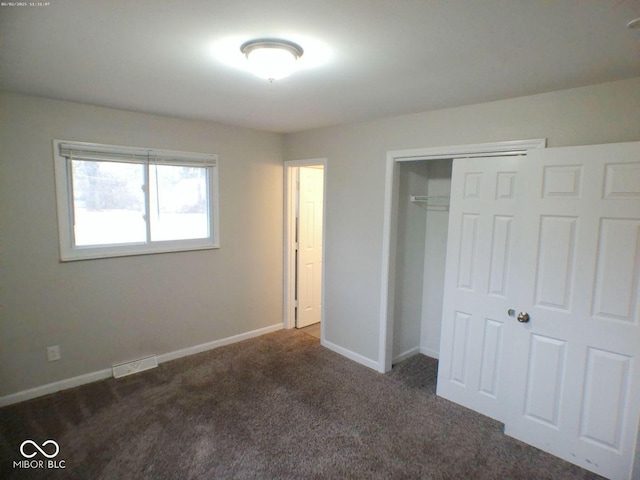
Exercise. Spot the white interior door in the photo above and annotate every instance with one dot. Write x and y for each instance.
(309, 268)
(575, 370)
(568, 254)
(478, 283)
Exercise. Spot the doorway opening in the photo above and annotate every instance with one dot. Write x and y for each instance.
(304, 241)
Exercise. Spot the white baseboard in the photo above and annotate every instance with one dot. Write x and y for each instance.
(429, 352)
(356, 357)
(108, 372)
(55, 387)
(165, 357)
(405, 355)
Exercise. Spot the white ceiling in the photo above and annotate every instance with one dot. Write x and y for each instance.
(382, 57)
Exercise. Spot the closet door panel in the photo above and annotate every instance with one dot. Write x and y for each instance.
(477, 281)
(574, 371)
(550, 292)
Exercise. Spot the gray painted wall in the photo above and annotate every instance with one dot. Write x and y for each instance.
(108, 311)
(605, 113)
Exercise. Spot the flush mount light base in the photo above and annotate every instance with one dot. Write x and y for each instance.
(271, 58)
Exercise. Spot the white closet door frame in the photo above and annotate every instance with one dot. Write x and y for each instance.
(391, 193)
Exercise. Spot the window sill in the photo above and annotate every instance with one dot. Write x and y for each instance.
(92, 253)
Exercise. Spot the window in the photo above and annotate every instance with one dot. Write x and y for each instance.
(116, 201)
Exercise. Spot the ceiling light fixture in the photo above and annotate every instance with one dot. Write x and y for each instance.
(634, 24)
(271, 58)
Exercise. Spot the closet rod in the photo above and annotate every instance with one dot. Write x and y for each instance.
(439, 200)
(431, 202)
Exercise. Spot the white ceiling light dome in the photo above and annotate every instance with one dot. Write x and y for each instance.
(271, 58)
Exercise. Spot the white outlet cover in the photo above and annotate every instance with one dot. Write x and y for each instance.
(53, 353)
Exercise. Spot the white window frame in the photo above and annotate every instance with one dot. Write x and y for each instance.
(143, 156)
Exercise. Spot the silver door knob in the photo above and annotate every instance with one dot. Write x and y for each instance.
(523, 317)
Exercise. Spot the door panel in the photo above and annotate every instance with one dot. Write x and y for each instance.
(458, 373)
(478, 283)
(491, 356)
(574, 366)
(468, 251)
(544, 390)
(556, 260)
(616, 289)
(500, 249)
(309, 274)
(601, 419)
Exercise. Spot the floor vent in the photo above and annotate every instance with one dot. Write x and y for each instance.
(124, 369)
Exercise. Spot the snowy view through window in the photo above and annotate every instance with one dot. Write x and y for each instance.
(109, 203)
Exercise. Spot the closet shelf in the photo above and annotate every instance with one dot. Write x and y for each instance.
(438, 202)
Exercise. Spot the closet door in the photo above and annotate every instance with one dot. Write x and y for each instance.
(575, 365)
(553, 348)
(479, 282)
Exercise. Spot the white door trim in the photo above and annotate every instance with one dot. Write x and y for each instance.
(288, 310)
(389, 222)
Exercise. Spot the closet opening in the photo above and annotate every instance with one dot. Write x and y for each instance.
(420, 251)
(414, 244)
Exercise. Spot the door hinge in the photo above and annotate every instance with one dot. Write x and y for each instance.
(295, 304)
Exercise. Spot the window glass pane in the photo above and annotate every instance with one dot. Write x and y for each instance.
(108, 203)
(178, 201)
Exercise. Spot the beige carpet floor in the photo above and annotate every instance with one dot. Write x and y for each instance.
(275, 407)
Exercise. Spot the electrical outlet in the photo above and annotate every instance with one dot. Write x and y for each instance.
(53, 353)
